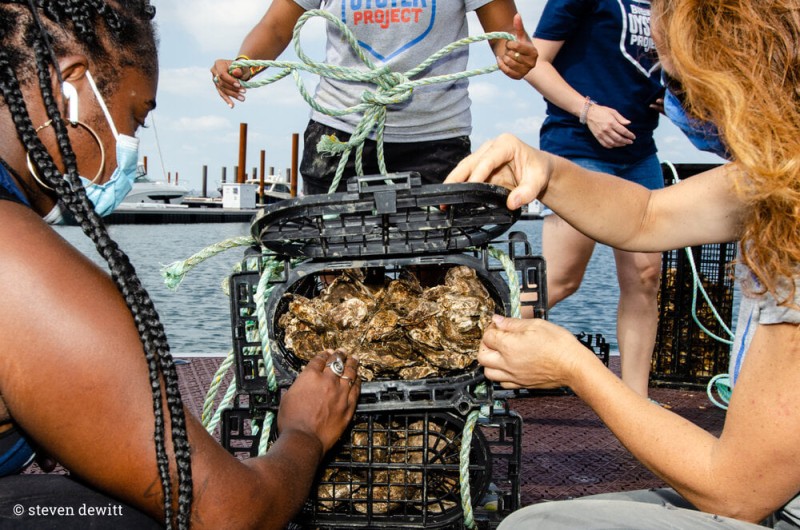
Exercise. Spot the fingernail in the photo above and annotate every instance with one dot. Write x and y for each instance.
(497, 319)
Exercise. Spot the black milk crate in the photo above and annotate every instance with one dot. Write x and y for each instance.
(399, 470)
(685, 355)
(457, 390)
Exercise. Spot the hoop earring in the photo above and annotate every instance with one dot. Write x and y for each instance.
(96, 137)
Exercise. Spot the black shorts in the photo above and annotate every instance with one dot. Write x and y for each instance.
(432, 160)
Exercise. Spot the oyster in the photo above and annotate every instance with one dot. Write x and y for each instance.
(379, 471)
(396, 327)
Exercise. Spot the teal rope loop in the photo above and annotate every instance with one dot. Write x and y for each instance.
(720, 382)
(392, 87)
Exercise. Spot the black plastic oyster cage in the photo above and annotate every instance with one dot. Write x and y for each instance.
(382, 215)
(403, 470)
(420, 252)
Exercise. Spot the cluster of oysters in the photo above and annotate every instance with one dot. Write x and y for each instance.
(397, 328)
(394, 480)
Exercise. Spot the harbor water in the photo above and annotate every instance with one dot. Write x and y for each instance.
(196, 316)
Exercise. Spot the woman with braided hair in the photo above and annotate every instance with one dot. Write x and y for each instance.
(86, 374)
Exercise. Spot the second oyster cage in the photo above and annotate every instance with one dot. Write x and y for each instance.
(390, 227)
(401, 470)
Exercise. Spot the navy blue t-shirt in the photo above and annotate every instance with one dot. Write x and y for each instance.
(608, 55)
(9, 189)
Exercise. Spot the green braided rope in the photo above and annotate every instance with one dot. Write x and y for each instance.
(513, 280)
(175, 272)
(392, 87)
(261, 296)
(226, 401)
(469, 426)
(213, 388)
(466, 445)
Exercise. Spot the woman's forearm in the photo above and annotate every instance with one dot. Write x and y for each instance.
(630, 217)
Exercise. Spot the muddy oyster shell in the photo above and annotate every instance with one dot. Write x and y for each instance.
(396, 327)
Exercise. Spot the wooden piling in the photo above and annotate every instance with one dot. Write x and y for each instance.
(242, 153)
(262, 162)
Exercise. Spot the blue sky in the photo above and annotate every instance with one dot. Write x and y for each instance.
(194, 127)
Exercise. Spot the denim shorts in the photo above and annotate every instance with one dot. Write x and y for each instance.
(646, 172)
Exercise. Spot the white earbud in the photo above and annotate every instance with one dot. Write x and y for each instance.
(71, 95)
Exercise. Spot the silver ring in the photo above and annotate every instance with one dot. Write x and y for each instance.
(337, 366)
(216, 79)
(349, 379)
(516, 55)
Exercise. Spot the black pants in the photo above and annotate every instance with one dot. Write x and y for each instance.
(432, 160)
(60, 502)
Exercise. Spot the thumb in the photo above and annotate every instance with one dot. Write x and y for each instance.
(620, 118)
(520, 196)
(519, 29)
(508, 324)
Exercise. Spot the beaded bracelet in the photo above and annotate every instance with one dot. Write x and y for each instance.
(253, 69)
(585, 112)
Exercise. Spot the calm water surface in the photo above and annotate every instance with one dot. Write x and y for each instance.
(197, 315)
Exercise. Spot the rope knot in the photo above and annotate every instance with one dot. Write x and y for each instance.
(392, 87)
(383, 97)
(331, 145)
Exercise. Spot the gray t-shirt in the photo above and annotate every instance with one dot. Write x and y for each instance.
(755, 311)
(400, 34)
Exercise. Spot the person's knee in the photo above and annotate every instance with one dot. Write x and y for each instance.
(649, 278)
(561, 288)
(644, 278)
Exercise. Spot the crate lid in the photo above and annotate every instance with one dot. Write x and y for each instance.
(382, 215)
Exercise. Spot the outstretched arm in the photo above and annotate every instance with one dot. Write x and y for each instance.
(746, 473)
(699, 210)
(266, 41)
(516, 58)
(74, 376)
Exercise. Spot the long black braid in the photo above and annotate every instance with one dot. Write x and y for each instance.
(127, 27)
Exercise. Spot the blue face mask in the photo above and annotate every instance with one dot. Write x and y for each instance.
(106, 197)
(703, 135)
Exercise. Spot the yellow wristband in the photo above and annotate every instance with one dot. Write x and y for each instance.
(253, 69)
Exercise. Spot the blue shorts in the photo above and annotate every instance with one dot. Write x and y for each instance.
(646, 172)
(15, 452)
